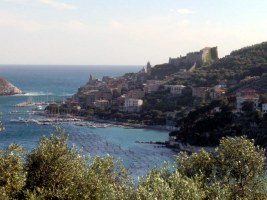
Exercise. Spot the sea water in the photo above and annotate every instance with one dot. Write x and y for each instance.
(57, 82)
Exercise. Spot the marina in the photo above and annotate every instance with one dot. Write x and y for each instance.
(60, 121)
(56, 119)
(32, 103)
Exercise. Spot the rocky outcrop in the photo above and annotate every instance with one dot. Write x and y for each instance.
(7, 88)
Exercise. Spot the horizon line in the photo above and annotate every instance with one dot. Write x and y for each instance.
(72, 65)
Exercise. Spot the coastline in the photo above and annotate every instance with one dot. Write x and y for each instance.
(132, 125)
(100, 123)
(179, 146)
(189, 148)
(114, 123)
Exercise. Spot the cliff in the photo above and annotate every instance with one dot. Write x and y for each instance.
(7, 88)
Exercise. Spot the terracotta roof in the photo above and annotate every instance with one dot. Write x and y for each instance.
(250, 97)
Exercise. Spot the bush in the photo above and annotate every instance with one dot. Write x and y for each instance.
(12, 172)
(235, 170)
(55, 171)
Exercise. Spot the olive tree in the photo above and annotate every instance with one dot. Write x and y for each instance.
(234, 171)
(107, 179)
(154, 186)
(55, 171)
(161, 183)
(12, 173)
(241, 166)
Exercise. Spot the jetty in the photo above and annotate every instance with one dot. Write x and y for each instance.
(58, 121)
(31, 104)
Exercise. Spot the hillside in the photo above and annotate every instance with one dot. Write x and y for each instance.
(244, 68)
(205, 127)
(191, 61)
(241, 66)
(244, 65)
(7, 88)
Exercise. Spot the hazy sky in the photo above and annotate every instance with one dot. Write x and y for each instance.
(125, 31)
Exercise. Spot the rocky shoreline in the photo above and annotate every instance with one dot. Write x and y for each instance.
(8, 89)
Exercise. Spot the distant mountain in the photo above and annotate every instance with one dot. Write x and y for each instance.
(6, 88)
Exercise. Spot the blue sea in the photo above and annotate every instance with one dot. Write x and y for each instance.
(58, 82)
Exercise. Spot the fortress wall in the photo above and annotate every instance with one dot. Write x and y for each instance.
(192, 58)
(204, 56)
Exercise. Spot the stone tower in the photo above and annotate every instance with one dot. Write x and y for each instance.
(91, 80)
(148, 68)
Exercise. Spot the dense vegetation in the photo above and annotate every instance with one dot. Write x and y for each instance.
(160, 71)
(206, 126)
(55, 171)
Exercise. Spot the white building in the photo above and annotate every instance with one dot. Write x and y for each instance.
(264, 107)
(132, 105)
(175, 89)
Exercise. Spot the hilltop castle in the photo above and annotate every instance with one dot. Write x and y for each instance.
(203, 57)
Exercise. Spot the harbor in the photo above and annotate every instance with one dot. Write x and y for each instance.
(31, 103)
(96, 137)
(54, 121)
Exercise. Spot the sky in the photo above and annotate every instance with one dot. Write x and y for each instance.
(125, 32)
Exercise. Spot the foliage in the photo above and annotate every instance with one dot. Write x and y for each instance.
(163, 184)
(45, 165)
(247, 106)
(154, 186)
(106, 179)
(55, 171)
(12, 172)
(235, 171)
(205, 126)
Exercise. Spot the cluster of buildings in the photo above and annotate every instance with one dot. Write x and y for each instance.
(119, 92)
(127, 93)
(209, 92)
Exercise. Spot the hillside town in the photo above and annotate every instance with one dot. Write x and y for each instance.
(131, 98)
